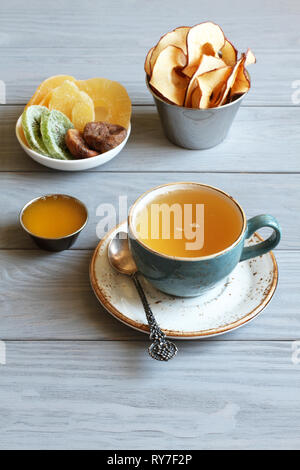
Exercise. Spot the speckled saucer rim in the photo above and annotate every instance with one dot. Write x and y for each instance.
(173, 333)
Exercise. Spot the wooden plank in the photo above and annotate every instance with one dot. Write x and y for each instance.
(109, 23)
(106, 39)
(48, 296)
(240, 391)
(271, 83)
(257, 142)
(111, 395)
(262, 193)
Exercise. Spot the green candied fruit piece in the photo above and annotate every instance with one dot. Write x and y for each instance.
(54, 127)
(31, 123)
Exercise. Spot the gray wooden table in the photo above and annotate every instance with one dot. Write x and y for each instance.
(76, 378)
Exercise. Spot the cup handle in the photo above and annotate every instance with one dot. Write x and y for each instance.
(255, 223)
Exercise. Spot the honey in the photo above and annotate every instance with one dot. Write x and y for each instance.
(54, 216)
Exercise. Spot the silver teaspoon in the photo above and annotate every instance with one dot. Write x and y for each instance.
(120, 258)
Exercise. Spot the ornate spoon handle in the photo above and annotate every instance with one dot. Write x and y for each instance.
(161, 349)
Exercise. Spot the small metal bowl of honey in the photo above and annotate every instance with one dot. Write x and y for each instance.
(54, 221)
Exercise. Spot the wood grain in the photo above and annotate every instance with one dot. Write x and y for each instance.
(271, 83)
(92, 39)
(261, 193)
(101, 25)
(95, 395)
(75, 378)
(257, 143)
(48, 296)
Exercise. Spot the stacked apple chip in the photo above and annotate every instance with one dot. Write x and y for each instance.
(198, 67)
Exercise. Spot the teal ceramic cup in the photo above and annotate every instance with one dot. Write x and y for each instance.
(190, 277)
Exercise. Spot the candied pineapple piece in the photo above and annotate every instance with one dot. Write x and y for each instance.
(83, 111)
(64, 97)
(46, 86)
(46, 100)
(111, 101)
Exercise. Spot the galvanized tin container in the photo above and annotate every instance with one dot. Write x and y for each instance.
(195, 129)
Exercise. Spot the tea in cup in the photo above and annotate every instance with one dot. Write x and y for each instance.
(187, 237)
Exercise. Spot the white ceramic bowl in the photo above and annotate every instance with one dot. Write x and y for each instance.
(70, 165)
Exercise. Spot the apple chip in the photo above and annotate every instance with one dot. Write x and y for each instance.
(198, 67)
(204, 38)
(239, 82)
(167, 77)
(242, 83)
(212, 85)
(229, 53)
(232, 78)
(196, 96)
(207, 63)
(250, 58)
(177, 38)
(147, 66)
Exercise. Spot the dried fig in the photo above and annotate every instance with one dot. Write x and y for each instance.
(77, 145)
(103, 136)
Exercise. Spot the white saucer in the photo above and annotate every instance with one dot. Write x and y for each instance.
(240, 298)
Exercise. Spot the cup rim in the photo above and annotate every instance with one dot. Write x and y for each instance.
(181, 258)
(51, 195)
(196, 109)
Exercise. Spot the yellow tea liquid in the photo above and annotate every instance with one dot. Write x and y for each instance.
(216, 218)
(54, 216)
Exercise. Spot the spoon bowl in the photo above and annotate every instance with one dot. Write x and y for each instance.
(120, 256)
